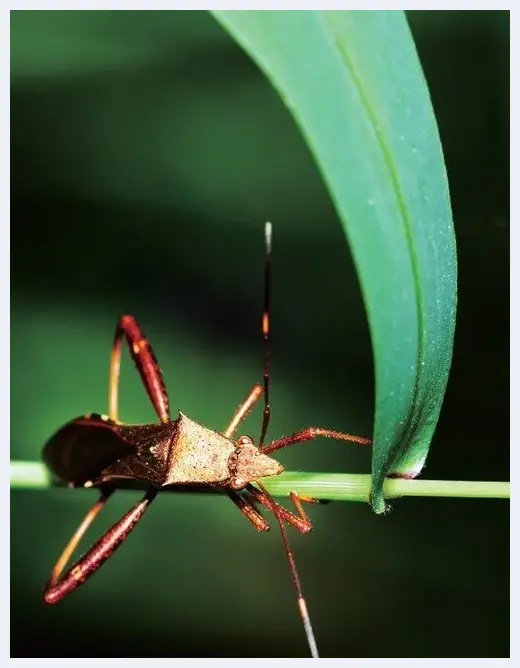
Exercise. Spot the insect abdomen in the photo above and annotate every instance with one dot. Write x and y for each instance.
(82, 448)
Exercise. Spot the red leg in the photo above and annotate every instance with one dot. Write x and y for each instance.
(310, 433)
(102, 549)
(297, 499)
(242, 411)
(300, 521)
(146, 363)
(248, 511)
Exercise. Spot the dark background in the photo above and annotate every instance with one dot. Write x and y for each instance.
(146, 152)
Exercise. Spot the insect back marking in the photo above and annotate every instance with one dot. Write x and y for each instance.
(198, 455)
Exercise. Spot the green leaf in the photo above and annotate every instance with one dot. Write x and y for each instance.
(354, 84)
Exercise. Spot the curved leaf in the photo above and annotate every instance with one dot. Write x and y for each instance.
(354, 84)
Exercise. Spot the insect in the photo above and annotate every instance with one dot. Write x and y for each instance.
(102, 452)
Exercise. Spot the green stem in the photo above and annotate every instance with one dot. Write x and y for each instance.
(29, 475)
(326, 486)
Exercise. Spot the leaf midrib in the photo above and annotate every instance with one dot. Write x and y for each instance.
(402, 208)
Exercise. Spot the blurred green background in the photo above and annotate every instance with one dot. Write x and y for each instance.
(146, 153)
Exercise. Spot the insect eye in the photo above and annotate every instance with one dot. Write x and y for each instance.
(245, 440)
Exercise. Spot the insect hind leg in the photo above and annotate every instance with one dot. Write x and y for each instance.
(145, 362)
(59, 587)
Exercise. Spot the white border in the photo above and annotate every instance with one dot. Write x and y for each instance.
(265, 4)
(5, 304)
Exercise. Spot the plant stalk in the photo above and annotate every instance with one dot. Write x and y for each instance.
(325, 486)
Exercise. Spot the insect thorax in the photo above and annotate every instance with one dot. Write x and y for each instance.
(198, 455)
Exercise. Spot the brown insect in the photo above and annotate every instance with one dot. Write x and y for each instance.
(100, 451)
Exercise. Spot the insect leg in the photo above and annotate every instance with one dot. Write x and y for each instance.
(310, 433)
(243, 409)
(146, 363)
(297, 499)
(300, 522)
(248, 511)
(78, 535)
(86, 565)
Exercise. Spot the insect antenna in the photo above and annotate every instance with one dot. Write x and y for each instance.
(302, 605)
(266, 328)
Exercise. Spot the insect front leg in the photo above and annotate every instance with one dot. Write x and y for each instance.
(248, 511)
(300, 521)
(58, 587)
